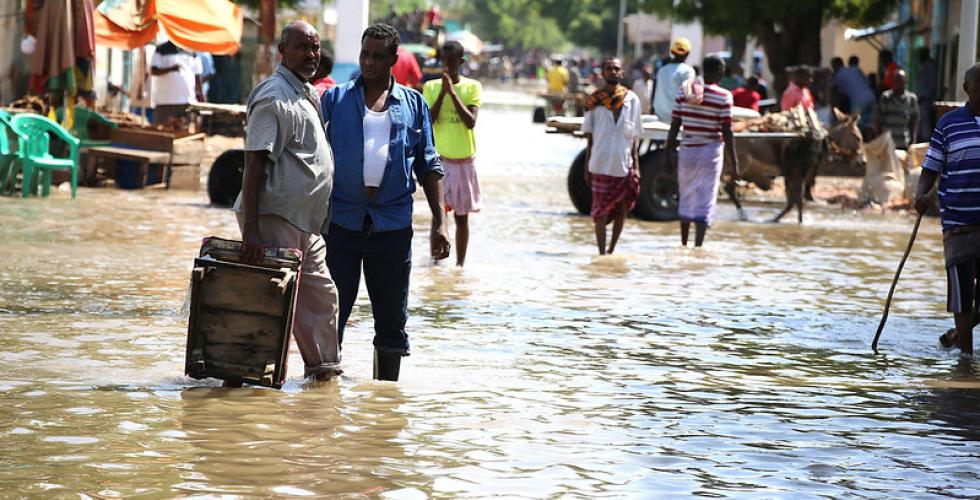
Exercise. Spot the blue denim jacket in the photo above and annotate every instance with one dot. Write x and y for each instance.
(411, 148)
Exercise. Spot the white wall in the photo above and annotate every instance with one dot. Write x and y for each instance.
(108, 67)
(967, 55)
(352, 20)
(695, 34)
(833, 44)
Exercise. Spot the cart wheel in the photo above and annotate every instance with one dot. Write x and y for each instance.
(578, 190)
(658, 188)
(225, 178)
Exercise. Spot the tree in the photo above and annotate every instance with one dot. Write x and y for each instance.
(515, 23)
(589, 23)
(380, 9)
(547, 24)
(789, 31)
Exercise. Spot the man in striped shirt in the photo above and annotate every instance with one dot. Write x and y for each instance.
(898, 112)
(705, 112)
(954, 158)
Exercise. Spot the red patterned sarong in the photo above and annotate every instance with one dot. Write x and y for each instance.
(609, 192)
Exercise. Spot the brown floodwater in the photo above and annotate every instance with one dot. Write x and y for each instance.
(539, 370)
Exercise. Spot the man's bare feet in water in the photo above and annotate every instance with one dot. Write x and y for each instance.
(324, 374)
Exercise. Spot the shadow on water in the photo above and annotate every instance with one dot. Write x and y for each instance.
(955, 401)
(253, 441)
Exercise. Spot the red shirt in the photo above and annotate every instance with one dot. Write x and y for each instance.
(795, 95)
(406, 69)
(745, 98)
(433, 17)
(324, 84)
(889, 78)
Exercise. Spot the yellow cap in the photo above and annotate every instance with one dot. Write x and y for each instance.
(681, 46)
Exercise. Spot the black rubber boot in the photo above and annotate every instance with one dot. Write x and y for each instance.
(386, 365)
(948, 339)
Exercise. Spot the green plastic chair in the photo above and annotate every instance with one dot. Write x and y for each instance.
(9, 155)
(36, 132)
(83, 118)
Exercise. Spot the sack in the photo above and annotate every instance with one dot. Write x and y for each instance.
(884, 178)
(693, 91)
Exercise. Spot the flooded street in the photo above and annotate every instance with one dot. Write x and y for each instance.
(540, 370)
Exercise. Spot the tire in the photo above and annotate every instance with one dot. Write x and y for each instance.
(225, 178)
(658, 188)
(539, 115)
(578, 190)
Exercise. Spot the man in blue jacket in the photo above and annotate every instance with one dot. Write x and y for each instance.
(380, 133)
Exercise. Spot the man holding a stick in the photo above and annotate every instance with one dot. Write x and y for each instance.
(954, 158)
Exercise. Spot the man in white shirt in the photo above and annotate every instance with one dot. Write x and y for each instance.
(613, 126)
(643, 88)
(176, 83)
(669, 79)
(207, 73)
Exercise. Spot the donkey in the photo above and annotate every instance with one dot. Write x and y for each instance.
(762, 160)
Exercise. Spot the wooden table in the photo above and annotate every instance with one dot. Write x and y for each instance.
(231, 109)
(145, 157)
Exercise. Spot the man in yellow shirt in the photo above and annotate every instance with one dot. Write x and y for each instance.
(454, 101)
(557, 82)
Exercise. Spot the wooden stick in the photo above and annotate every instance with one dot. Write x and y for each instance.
(888, 301)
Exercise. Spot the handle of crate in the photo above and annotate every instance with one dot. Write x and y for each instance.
(200, 272)
(283, 282)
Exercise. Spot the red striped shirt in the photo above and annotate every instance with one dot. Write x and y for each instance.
(702, 123)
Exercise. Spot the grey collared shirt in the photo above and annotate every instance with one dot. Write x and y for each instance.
(283, 121)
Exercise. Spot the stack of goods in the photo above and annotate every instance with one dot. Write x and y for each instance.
(31, 103)
(123, 119)
(796, 119)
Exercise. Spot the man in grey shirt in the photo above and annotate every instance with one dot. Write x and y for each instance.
(286, 186)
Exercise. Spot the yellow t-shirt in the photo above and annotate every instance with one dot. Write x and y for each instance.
(453, 139)
(557, 79)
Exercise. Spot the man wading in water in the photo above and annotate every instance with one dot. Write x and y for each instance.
(705, 113)
(613, 127)
(285, 198)
(381, 134)
(954, 158)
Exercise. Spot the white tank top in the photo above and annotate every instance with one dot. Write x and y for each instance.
(377, 135)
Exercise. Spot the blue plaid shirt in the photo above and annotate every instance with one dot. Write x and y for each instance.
(411, 148)
(954, 153)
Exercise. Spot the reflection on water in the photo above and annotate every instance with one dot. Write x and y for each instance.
(539, 370)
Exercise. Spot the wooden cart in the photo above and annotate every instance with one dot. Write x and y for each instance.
(658, 183)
